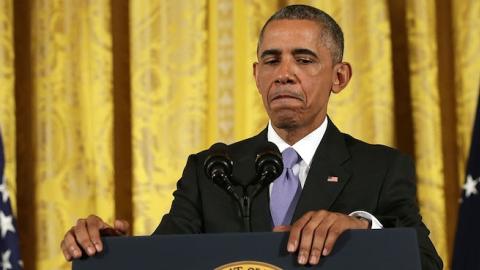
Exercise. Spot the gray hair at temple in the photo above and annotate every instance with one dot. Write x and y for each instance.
(331, 34)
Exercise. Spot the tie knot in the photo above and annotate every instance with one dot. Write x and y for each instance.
(290, 157)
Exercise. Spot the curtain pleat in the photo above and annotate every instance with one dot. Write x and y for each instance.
(7, 96)
(234, 104)
(190, 85)
(424, 90)
(72, 119)
(169, 108)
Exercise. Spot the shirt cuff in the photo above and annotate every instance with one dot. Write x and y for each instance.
(375, 223)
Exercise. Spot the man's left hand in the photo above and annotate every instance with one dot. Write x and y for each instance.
(315, 233)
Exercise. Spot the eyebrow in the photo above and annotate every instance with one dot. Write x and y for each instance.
(274, 52)
(304, 51)
(296, 51)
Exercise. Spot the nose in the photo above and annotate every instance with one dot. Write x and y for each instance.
(285, 73)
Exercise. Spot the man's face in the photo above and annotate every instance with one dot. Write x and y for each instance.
(294, 74)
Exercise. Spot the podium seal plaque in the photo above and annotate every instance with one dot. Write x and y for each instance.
(248, 265)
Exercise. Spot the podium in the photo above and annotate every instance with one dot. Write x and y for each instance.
(393, 249)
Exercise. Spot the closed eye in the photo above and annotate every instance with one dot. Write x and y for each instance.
(271, 61)
(304, 61)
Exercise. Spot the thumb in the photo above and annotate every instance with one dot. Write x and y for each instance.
(122, 226)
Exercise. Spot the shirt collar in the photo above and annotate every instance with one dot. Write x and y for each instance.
(306, 147)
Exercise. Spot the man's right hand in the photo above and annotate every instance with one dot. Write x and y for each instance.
(84, 237)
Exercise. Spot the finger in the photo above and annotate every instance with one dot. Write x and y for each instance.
(319, 237)
(83, 237)
(281, 228)
(335, 232)
(94, 225)
(122, 226)
(296, 230)
(308, 235)
(66, 254)
(69, 245)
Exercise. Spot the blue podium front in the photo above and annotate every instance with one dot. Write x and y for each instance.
(393, 249)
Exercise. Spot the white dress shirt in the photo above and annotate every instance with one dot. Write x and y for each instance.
(306, 148)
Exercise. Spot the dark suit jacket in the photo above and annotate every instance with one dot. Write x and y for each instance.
(373, 178)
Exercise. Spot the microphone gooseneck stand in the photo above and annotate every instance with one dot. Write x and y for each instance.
(242, 200)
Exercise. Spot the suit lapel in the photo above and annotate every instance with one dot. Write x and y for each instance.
(330, 160)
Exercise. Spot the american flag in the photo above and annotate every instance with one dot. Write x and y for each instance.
(9, 244)
(466, 253)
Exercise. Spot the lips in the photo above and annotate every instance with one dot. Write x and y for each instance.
(283, 95)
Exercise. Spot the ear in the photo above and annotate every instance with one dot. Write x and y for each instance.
(255, 72)
(342, 73)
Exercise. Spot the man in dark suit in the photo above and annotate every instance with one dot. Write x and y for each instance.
(341, 183)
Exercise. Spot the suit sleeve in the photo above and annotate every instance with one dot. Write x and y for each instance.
(398, 208)
(185, 214)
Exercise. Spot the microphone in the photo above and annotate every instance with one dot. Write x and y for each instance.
(219, 167)
(268, 167)
(268, 164)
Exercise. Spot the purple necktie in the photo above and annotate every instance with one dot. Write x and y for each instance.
(285, 191)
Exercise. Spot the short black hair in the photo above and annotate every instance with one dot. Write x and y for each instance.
(331, 35)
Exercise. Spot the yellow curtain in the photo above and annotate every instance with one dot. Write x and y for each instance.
(169, 79)
(7, 95)
(426, 106)
(102, 101)
(70, 121)
(191, 75)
